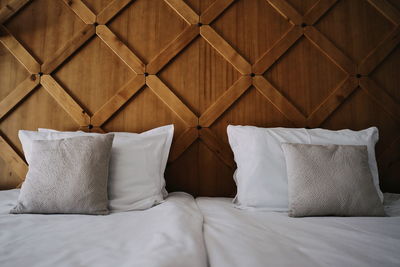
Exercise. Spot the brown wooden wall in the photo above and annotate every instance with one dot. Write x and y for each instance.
(122, 65)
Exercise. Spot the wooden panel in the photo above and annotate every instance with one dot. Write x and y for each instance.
(218, 180)
(132, 65)
(96, 5)
(149, 36)
(199, 6)
(199, 70)
(144, 112)
(40, 34)
(253, 20)
(9, 179)
(387, 74)
(185, 178)
(28, 115)
(93, 59)
(359, 112)
(368, 27)
(11, 72)
(312, 77)
(252, 108)
(302, 6)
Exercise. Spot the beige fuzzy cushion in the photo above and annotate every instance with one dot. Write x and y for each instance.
(330, 180)
(67, 176)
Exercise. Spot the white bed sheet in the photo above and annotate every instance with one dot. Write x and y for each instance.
(169, 234)
(259, 238)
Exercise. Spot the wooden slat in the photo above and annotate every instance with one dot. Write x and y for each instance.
(11, 8)
(332, 102)
(225, 50)
(287, 11)
(377, 55)
(220, 149)
(118, 100)
(387, 9)
(381, 97)
(214, 10)
(11, 158)
(120, 49)
(182, 143)
(330, 50)
(65, 100)
(18, 94)
(81, 10)
(95, 130)
(68, 49)
(111, 10)
(184, 11)
(317, 11)
(225, 101)
(280, 47)
(171, 100)
(23, 56)
(279, 101)
(176, 46)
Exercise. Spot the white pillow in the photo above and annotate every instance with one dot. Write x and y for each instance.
(261, 177)
(137, 164)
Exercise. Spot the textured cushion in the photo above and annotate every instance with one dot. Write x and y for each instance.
(261, 177)
(137, 164)
(330, 180)
(67, 176)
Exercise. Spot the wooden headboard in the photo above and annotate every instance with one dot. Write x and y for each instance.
(131, 65)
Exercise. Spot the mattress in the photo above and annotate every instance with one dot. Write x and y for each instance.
(236, 237)
(169, 234)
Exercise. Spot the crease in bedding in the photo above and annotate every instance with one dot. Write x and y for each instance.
(260, 238)
(169, 234)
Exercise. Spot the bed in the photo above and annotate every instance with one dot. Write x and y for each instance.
(237, 237)
(169, 234)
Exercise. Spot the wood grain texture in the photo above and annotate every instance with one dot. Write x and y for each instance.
(117, 101)
(111, 10)
(81, 10)
(64, 100)
(279, 101)
(225, 49)
(132, 65)
(68, 49)
(287, 11)
(119, 48)
(169, 52)
(184, 11)
(277, 50)
(317, 11)
(18, 51)
(225, 101)
(12, 159)
(214, 10)
(11, 8)
(170, 99)
(17, 95)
